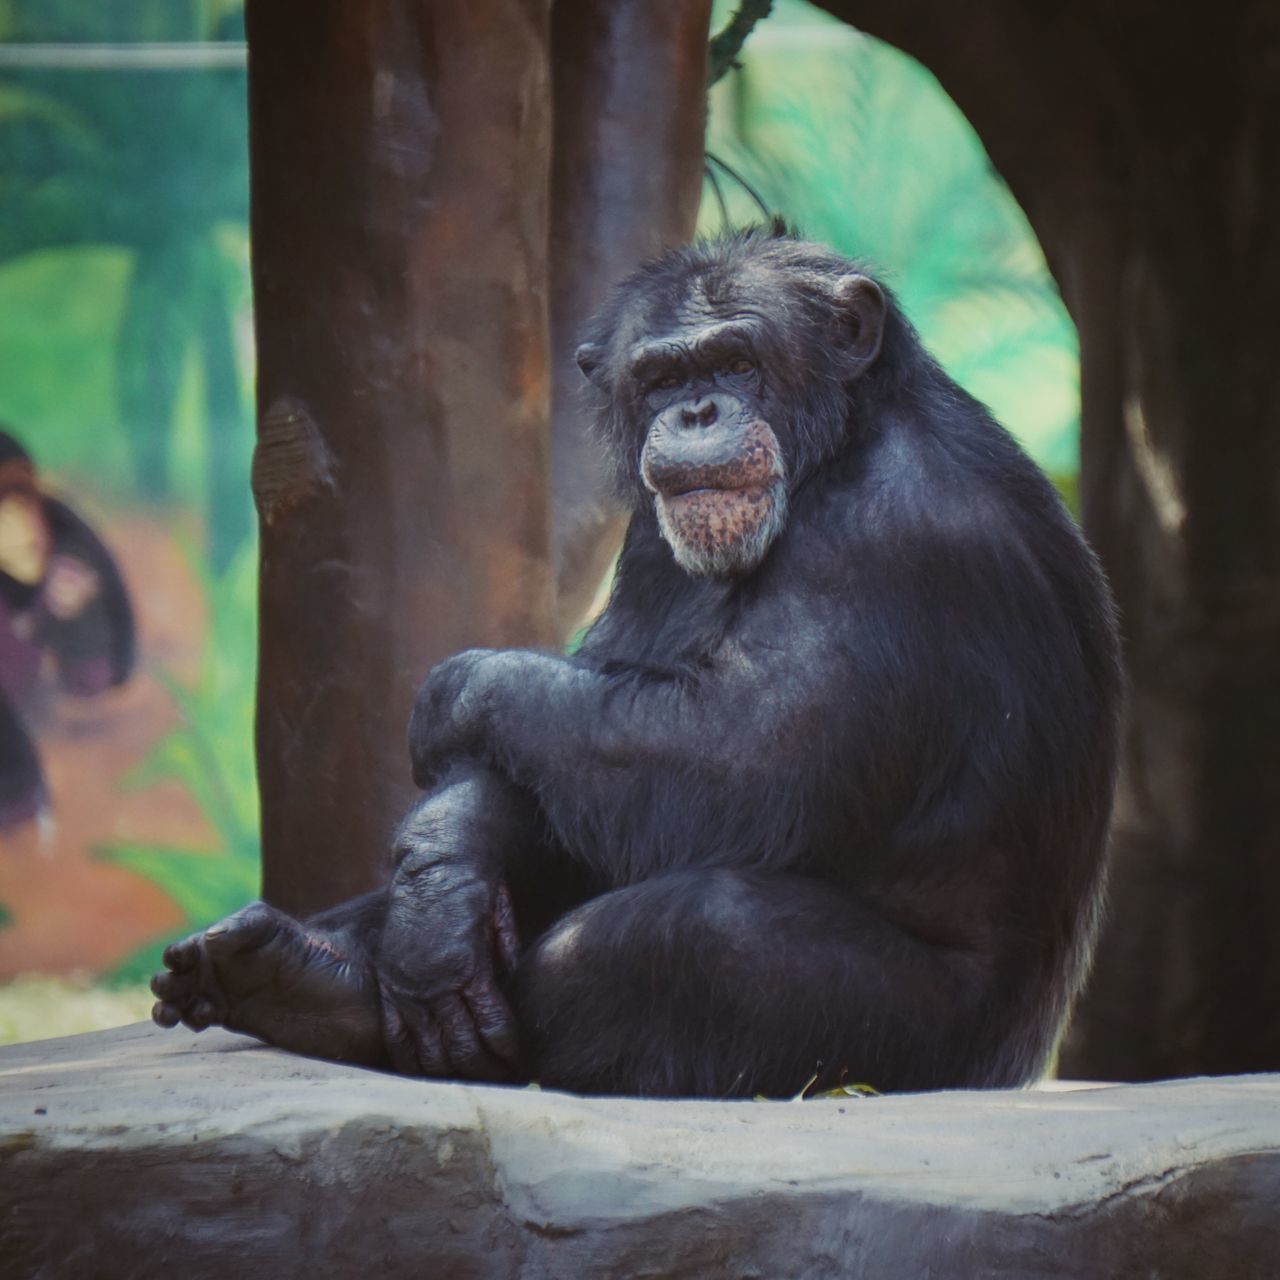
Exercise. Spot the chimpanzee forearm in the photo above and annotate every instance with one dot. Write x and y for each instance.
(473, 817)
(605, 751)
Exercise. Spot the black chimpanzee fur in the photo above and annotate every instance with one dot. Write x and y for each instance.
(825, 790)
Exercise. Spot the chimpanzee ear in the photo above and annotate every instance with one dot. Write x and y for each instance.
(861, 307)
(590, 358)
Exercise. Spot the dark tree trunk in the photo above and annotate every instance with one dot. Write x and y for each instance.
(630, 113)
(1143, 146)
(1181, 479)
(399, 159)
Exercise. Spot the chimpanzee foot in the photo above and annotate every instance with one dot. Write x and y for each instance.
(261, 972)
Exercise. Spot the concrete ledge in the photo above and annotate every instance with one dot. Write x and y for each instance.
(141, 1153)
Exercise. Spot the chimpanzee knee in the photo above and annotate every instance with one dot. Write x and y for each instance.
(720, 983)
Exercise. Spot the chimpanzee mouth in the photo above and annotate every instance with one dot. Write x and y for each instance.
(728, 492)
(718, 530)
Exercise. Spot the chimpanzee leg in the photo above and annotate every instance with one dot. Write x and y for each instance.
(718, 983)
(311, 987)
(305, 987)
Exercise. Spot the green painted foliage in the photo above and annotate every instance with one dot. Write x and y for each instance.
(210, 753)
(124, 194)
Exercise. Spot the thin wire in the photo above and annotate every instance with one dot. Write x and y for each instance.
(742, 182)
(718, 191)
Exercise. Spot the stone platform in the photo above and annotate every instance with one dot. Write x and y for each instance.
(138, 1153)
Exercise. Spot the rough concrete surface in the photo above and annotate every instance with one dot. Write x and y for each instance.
(141, 1153)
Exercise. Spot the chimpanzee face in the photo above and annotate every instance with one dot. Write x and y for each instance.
(25, 541)
(710, 458)
(727, 390)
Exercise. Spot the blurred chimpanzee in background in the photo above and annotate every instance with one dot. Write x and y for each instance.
(62, 604)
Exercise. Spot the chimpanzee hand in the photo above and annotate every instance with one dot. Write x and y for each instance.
(449, 940)
(449, 714)
(70, 586)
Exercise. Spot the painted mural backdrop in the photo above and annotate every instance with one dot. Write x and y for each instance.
(127, 809)
(127, 571)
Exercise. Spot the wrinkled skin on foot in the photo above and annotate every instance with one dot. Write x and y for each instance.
(261, 972)
(412, 978)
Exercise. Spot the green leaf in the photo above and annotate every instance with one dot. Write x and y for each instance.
(205, 886)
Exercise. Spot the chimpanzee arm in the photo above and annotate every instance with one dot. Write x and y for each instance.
(606, 750)
(841, 702)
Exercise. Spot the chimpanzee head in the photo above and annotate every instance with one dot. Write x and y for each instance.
(724, 375)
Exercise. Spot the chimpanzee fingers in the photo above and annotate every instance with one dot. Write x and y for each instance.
(396, 1039)
(428, 1043)
(470, 1058)
(446, 715)
(413, 1041)
(506, 940)
(493, 1019)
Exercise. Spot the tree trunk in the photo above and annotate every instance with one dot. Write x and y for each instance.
(1181, 479)
(1143, 148)
(399, 163)
(630, 116)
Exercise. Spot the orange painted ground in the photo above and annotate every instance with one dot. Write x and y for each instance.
(71, 912)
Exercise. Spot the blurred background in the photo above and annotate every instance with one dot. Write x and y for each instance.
(126, 377)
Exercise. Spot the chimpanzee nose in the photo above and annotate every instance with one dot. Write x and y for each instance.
(702, 414)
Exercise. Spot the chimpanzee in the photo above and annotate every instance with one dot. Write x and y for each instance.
(61, 594)
(822, 797)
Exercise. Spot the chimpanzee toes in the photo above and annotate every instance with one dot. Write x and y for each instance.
(262, 973)
(200, 1016)
(190, 988)
(166, 1015)
(245, 930)
(174, 994)
(183, 956)
(173, 988)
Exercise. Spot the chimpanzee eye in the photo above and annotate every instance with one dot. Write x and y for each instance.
(741, 364)
(668, 383)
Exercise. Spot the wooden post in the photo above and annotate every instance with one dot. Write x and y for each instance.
(630, 82)
(400, 156)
